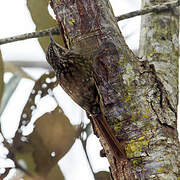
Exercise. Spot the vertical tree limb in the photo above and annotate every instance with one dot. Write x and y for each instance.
(133, 100)
(159, 44)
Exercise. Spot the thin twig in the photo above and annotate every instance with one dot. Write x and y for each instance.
(2, 176)
(30, 64)
(45, 32)
(55, 31)
(155, 9)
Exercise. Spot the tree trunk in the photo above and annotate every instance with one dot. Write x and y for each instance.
(134, 102)
(160, 46)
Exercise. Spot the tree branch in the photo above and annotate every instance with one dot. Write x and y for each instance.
(55, 31)
(155, 9)
(30, 64)
(45, 32)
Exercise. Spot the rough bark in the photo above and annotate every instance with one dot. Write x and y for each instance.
(133, 100)
(159, 45)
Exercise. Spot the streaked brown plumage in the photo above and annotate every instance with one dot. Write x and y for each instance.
(74, 73)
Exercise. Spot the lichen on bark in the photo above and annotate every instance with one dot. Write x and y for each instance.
(133, 99)
(160, 46)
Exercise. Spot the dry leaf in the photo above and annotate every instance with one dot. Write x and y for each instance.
(52, 137)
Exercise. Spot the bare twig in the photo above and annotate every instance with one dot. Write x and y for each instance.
(155, 9)
(55, 31)
(45, 32)
(2, 176)
(30, 64)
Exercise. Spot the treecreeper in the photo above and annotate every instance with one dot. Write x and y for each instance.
(75, 75)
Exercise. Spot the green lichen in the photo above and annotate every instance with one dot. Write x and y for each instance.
(135, 162)
(117, 127)
(129, 75)
(141, 138)
(71, 22)
(145, 115)
(160, 169)
(150, 55)
(136, 147)
(168, 155)
(128, 98)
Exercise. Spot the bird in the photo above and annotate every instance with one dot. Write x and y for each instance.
(74, 73)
